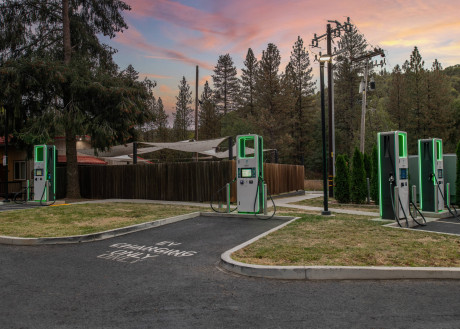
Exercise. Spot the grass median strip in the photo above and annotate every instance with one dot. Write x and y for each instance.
(83, 218)
(346, 240)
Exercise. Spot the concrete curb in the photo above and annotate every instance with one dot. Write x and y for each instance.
(331, 272)
(94, 236)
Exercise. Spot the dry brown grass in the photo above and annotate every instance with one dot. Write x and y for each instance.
(83, 218)
(350, 241)
(313, 185)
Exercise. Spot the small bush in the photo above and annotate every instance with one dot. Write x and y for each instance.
(358, 188)
(367, 166)
(342, 180)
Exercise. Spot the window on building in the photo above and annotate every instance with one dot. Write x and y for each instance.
(19, 170)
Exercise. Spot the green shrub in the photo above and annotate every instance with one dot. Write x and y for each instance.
(367, 166)
(342, 180)
(375, 175)
(358, 188)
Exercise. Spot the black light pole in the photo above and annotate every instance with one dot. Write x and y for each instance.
(325, 212)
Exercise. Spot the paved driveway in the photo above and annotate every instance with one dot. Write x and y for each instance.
(168, 277)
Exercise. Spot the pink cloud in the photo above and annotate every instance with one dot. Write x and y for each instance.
(182, 15)
(154, 76)
(133, 38)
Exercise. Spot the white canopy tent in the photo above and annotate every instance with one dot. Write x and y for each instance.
(205, 147)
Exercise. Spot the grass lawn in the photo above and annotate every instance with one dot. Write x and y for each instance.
(346, 240)
(83, 218)
(318, 202)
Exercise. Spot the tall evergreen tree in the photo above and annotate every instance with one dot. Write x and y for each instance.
(183, 117)
(397, 104)
(208, 117)
(161, 122)
(375, 175)
(131, 73)
(271, 115)
(415, 76)
(304, 100)
(268, 80)
(66, 34)
(358, 178)
(225, 84)
(342, 181)
(439, 110)
(248, 81)
(346, 92)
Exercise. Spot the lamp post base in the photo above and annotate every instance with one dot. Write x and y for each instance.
(325, 213)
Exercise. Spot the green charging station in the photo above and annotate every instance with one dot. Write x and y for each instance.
(250, 174)
(44, 173)
(393, 175)
(431, 175)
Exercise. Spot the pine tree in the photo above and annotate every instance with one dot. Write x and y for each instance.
(439, 110)
(375, 176)
(347, 98)
(271, 115)
(208, 117)
(367, 165)
(358, 178)
(225, 84)
(161, 122)
(183, 115)
(415, 76)
(65, 33)
(304, 100)
(248, 81)
(342, 180)
(397, 104)
(268, 80)
(131, 73)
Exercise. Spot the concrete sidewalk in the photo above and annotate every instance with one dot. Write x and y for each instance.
(288, 203)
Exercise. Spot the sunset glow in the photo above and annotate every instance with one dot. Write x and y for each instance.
(166, 39)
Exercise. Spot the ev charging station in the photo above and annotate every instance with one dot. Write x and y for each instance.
(393, 175)
(431, 175)
(44, 173)
(250, 174)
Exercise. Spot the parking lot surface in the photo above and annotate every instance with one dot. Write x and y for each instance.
(168, 277)
(446, 225)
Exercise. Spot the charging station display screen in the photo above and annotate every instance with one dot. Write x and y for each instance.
(38, 172)
(439, 173)
(403, 173)
(246, 173)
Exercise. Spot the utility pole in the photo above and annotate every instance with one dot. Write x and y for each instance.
(363, 109)
(366, 57)
(196, 105)
(196, 109)
(329, 35)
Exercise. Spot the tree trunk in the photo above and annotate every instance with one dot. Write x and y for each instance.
(73, 186)
(66, 31)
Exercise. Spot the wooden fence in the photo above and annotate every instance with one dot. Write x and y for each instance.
(191, 181)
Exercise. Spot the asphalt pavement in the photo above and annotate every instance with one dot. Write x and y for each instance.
(169, 277)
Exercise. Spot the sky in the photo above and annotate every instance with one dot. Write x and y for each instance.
(166, 39)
